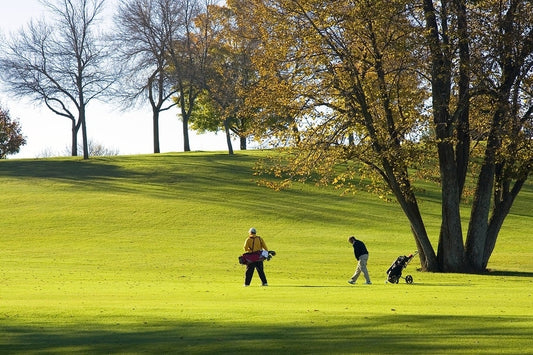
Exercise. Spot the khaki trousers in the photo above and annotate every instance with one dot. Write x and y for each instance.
(361, 267)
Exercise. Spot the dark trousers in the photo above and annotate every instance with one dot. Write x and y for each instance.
(250, 272)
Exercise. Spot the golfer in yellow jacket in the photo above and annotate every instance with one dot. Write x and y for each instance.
(254, 243)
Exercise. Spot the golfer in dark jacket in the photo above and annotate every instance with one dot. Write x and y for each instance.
(361, 254)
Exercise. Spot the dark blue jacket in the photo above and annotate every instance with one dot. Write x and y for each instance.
(359, 248)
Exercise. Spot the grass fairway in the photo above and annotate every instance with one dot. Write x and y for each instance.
(139, 255)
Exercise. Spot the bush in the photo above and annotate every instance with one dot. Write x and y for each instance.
(11, 138)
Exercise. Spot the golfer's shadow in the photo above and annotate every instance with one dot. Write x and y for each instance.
(314, 286)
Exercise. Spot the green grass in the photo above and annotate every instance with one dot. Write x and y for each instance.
(139, 255)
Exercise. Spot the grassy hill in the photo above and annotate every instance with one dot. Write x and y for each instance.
(138, 254)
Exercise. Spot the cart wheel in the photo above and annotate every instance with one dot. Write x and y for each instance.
(409, 279)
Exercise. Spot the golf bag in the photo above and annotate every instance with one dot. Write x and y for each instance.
(395, 270)
(248, 258)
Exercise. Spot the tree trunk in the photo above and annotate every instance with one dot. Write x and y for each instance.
(428, 259)
(450, 252)
(228, 137)
(84, 136)
(74, 147)
(186, 144)
(155, 123)
(401, 187)
(243, 142)
(462, 148)
(502, 206)
(83, 125)
(478, 227)
(156, 106)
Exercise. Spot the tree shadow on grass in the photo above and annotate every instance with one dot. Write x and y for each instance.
(72, 169)
(390, 334)
(221, 179)
(510, 273)
(163, 168)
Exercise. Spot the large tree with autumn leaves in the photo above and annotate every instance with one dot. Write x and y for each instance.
(380, 87)
(228, 77)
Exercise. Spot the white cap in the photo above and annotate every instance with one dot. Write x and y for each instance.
(252, 231)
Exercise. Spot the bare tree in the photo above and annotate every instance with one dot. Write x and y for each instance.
(188, 55)
(164, 54)
(60, 61)
(145, 30)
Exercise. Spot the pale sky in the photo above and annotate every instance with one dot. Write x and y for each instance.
(128, 132)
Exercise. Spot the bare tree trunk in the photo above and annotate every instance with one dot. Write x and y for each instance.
(478, 227)
(428, 259)
(228, 137)
(401, 187)
(501, 210)
(186, 144)
(155, 124)
(462, 148)
(74, 139)
(450, 250)
(82, 122)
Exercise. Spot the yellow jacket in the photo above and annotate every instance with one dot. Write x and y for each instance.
(254, 243)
